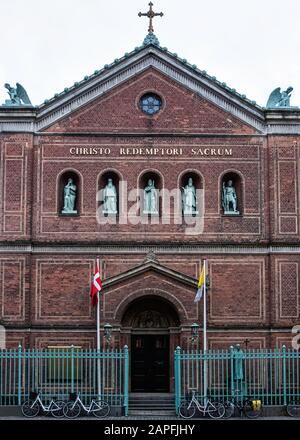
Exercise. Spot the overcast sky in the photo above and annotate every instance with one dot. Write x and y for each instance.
(252, 45)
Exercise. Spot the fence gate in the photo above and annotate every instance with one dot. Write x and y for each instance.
(272, 376)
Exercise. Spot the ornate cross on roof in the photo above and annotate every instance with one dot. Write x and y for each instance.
(150, 14)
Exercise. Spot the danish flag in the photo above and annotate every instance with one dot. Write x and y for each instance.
(96, 286)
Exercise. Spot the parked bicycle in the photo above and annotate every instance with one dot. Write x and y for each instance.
(251, 408)
(187, 409)
(34, 405)
(73, 408)
(293, 409)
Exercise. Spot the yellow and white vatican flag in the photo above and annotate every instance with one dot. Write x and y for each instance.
(201, 284)
(201, 292)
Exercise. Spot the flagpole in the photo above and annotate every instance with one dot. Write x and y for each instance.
(204, 310)
(205, 334)
(98, 319)
(98, 338)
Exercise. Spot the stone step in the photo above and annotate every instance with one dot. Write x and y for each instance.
(151, 396)
(161, 402)
(154, 413)
(161, 397)
(152, 404)
(152, 407)
(158, 402)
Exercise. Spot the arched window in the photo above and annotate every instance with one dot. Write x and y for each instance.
(108, 198)
(69, 194)
(191, 201)
(232, 194)
(150, 185)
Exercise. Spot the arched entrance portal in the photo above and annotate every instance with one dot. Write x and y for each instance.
(151, 322)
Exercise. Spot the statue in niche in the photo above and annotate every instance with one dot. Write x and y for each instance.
(279, 99)
(110, 198)
(229, 199)
(150, 198)
(189, 198)
(70, 191)
(17, 95)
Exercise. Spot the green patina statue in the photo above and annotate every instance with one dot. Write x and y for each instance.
(110, 198)
(238, 363)
(150, 198)
(239, 379)
(189, 198)
(229, 199)
(17, 95)
(70, 191)
(280, 98)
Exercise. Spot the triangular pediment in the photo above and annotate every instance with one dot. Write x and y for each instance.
(151, 266)
(89, 104)
(240, 114)
(182, 111)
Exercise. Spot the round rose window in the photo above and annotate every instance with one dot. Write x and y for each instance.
(150, 103)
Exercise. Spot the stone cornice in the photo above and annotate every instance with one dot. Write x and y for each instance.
(159, 249)
(35, 119)
(65, 328)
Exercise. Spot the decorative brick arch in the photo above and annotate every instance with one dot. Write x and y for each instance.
(150, 292)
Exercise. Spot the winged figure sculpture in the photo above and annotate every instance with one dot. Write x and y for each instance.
(280, 98)
(17, 95)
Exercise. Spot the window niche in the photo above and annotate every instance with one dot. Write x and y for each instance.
(69, 194)
(190, 183)
(150, 185)
(109, 193)
(232, 194)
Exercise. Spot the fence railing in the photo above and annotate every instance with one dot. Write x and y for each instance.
(58, 372)
(270, 375)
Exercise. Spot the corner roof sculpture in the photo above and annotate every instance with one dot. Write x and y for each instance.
(280, 99)
(17, 95)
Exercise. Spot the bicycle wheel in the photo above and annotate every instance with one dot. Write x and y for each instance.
(229, 409)
(101, 409)
(293, 409)
(57, 410)
(71, 410)
(250, 412)
(30, 410)
(187, 409)
(216, 410)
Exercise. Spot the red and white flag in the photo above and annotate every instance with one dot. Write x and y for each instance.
(96, 286)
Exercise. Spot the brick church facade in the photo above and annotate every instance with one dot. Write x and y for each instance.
(96, 130)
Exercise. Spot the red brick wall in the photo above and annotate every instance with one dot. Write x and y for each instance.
(249, 294)
(284, 294)
(284, 188)
(59, 290)
(15, 284)
(248, 159)
(15, 186)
